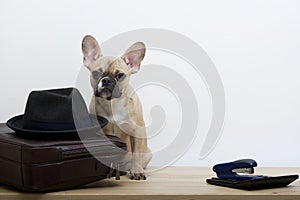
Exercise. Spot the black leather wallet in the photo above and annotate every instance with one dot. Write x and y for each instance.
(264, 182)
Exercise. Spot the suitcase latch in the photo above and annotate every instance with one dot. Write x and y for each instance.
(114, 168)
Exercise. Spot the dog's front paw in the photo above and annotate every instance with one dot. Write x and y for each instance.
(137, 176)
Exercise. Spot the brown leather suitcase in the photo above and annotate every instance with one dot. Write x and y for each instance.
(47, 165)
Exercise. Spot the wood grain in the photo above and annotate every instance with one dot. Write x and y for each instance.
(170, 183)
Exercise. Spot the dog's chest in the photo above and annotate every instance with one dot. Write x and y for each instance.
(114, 111)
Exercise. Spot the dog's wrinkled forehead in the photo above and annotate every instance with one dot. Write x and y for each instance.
(109, 65)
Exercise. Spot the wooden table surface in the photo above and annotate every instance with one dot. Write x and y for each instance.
(169, 183)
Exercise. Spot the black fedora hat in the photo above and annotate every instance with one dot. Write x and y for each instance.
(56, 112)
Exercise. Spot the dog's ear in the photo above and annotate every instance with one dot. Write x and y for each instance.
(91, 50)
(134, 56)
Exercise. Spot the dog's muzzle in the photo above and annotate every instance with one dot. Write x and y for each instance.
(107, 88)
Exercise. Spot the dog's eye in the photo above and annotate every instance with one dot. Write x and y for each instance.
(120, 76)
(96, 75)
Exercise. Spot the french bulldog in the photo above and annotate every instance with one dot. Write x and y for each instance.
(116, 100)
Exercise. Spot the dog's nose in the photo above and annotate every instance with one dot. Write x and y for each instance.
(106, 81)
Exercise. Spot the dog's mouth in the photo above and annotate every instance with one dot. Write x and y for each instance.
(108, 93)
(107, 88)
(104, 92)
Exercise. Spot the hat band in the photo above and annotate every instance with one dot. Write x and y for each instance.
(49, 126)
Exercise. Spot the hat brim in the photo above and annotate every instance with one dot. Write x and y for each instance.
(16, 124)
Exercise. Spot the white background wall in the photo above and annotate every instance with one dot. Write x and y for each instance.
(254, 44)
